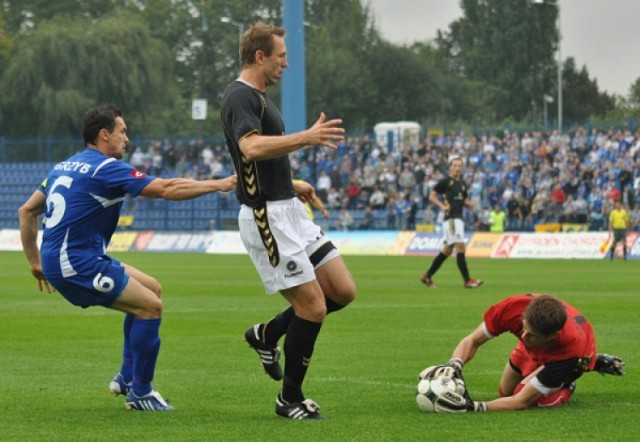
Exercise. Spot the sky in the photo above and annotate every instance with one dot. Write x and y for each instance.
(603, 35)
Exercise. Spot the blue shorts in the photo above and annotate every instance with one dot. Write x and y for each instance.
(101, 285)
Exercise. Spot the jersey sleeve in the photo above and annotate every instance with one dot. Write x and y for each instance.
(242, 112)
(43, 186)
(441, 186)
(506, 315)
(121, 175)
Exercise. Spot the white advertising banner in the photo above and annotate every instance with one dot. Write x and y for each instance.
(577, 245)
(10, 240)
(227, 241)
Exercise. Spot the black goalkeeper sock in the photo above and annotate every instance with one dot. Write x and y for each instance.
(277, 327)
(435, 265)
(462, 265)
(298, 348)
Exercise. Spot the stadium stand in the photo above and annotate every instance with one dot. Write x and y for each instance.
(536, 178)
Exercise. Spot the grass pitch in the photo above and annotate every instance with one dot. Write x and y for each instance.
(57, 360)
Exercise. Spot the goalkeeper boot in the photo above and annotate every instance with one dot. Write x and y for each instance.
(608, 364)
(149, 402)
(473, 283)
(426, 280)
(306, 409)
(269, 356)
(119, 386)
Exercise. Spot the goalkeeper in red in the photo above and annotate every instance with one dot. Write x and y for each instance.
(555, 347)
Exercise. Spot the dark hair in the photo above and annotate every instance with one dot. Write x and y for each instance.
(545, 314)
(258, 37)
(98, 118)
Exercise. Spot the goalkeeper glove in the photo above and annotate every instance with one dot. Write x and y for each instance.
(457, 364)
(608, 364)
(451, 402)
(438, 370)
(476, 406)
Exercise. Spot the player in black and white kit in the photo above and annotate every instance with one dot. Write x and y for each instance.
(453, 191)
(290, 252)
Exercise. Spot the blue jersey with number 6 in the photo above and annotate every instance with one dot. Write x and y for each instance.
(84, 197)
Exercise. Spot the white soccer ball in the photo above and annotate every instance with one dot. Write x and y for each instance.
(429, 390)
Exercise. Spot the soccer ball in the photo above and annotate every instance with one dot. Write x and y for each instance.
(429, 390)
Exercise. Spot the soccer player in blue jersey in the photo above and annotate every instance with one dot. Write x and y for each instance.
(81, 200)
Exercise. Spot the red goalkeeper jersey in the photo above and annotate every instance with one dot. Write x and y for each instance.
(574, 343)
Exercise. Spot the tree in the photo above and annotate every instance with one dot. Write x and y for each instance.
(508, 45)
(6, 43)
(70, 63)
(634, 94)
(582, 99)
(23, 16)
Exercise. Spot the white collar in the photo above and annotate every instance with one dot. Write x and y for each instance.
(247, 83)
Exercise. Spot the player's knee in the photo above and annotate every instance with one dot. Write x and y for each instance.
(347, 293)
(314, 312)
(555, 399)
(156, 287)
(152, 309)
(318, 312)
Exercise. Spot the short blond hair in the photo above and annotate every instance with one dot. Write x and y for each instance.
(259, 37)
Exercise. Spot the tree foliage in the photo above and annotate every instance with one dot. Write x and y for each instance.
(583, 100)
(507, 45)
(152, 57)
(71, 63)
(634, 94)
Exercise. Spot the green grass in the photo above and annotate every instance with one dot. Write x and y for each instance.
(56, 360)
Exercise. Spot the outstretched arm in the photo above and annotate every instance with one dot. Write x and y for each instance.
(185, 189)
(324, 132)
(468, 346)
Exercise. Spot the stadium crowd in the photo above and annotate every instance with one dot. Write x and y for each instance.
(534, 177)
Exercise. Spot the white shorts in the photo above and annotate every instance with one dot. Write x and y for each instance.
(453, 231)
(285, 246)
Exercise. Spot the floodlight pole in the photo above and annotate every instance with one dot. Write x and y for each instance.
(557, 5)
(559, 70)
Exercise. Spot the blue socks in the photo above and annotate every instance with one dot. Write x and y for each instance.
(126, 370)
(144, 343)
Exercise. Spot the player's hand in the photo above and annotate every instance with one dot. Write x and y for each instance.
(431, 372)
(305, 191)
(450, 402)
(456, 364)
(326, 132)
(43, 284)
(609, 364)
(228, 183)
(455, 370)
